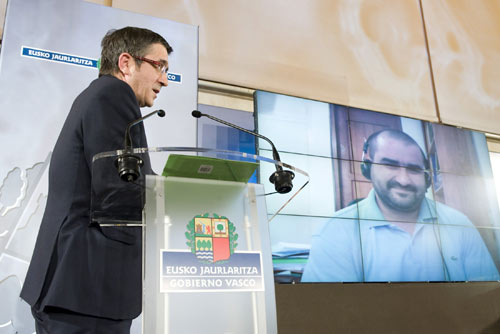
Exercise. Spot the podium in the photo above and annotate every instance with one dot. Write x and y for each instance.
(207, 262)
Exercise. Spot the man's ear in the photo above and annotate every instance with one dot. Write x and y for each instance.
(126, 63)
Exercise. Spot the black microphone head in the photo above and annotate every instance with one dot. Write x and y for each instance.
(282, 180)
(196, 113)
(161, 112)
(129, 166)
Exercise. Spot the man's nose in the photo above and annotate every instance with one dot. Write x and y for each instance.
(163, 79)
(403, 176)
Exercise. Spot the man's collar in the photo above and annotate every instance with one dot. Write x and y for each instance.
(371, 215)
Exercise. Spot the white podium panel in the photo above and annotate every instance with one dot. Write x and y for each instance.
(207, 258)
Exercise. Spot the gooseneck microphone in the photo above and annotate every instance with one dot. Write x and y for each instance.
(128, 164)
(128, 140)
(282, 179)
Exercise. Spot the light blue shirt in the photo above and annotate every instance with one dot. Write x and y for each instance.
(445, 246)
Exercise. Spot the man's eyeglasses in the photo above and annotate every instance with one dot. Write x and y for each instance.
(159, 66)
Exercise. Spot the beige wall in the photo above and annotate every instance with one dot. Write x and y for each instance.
(365, 53)
(369, 54)
(464, 38)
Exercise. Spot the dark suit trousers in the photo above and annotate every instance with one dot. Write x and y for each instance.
(54, 320)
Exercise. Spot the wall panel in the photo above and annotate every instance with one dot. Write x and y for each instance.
(464, 42)
(366, 53)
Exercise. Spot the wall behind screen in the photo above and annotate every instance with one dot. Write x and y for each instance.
(369, 54)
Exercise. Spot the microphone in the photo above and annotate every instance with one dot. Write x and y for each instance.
(282, 179)
(128, 164)
(128, 140)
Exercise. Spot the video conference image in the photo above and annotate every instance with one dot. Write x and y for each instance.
(390, 199)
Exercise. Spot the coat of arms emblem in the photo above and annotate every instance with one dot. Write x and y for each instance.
(211, 239)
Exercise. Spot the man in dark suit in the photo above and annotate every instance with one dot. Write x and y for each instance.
(83, 277)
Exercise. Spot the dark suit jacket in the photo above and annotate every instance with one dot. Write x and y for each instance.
(78, 265)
